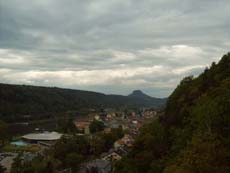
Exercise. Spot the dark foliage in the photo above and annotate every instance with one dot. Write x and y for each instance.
(2, 169)
(193, 136)
(4, 133)
(96, 126)
(16, 100)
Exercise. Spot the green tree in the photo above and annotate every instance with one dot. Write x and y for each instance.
(67, 125)
(73, 160)
(96, 126)
(2, 169)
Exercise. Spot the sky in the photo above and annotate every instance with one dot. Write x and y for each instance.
(111, 46)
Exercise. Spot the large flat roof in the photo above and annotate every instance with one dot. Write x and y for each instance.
(46, 136)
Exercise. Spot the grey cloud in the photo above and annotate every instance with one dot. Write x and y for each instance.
(53, 42)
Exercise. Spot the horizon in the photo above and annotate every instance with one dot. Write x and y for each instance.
(82, 90)
(111, 47)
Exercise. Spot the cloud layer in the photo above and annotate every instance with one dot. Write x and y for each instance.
(110, 46)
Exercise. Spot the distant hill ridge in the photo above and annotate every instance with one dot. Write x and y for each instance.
(24, 99)
(139, 94)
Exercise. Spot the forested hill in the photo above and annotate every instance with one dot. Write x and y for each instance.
(194, 133)
(21, 99)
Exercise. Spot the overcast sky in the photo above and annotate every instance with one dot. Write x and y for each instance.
(111, 46)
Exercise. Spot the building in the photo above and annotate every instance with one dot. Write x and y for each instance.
(112, 156)
(83, 126)
(127, 140)
(46, 139)
(119, 143)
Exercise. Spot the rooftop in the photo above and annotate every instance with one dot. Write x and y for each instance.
(46, 136)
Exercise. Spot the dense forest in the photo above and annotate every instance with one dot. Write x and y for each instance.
(193, 136)
(16, 100)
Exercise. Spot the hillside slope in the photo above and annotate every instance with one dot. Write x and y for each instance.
(194, 133)
(21, 100)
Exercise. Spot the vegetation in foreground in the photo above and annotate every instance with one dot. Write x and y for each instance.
(193, 136)
(4, 135)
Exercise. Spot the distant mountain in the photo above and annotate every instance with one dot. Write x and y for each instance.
(23, 100)
(139, 94)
